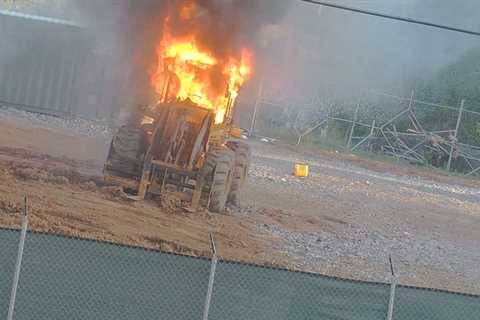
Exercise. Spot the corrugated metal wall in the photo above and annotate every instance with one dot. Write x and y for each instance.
(38, 64)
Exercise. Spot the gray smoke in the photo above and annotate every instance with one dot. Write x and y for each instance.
(301, 50)
(319, 47)
(130, 30)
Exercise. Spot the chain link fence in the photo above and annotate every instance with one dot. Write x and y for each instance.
(67, 278)
(404, 128)
(64, 278)
(250, 292)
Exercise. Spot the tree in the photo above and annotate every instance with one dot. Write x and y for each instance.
(456, 81)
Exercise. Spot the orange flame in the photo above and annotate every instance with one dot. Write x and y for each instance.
(185, 71)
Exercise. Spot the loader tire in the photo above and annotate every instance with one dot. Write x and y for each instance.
(243, 156)
(126, 150)
(219, 172)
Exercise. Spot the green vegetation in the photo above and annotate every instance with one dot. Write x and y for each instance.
(447, 87)
(457, 81)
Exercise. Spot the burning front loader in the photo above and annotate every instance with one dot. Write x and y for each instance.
(185, 141)
(179, 146)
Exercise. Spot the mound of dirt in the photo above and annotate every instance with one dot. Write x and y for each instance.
(36, 174)
(172, 203)
(57, 175)
(114, 192)
(170, 246)
(89, 185)
(70, 174)
(7, 206)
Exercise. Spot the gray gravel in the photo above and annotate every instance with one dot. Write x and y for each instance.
(372, 205)
(76, 126)
(347, 170)
(358, 242)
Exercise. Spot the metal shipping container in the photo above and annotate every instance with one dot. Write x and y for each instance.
(39, 60)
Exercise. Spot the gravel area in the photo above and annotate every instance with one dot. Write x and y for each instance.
(430, 229)
(359, 242)
(343, 220)
(76, 126)
(347, 170)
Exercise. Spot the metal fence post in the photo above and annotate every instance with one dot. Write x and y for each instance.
(372, 130)
(16, 277)
(393, 287)
(350, 136)
(391, 302)
(211, 279)
(255, 108)
(454, 142)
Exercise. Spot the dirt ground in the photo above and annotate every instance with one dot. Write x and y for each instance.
(344, 220)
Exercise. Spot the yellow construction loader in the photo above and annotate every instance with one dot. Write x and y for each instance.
(180, 145)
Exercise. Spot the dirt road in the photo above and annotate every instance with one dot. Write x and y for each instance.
(343, 220)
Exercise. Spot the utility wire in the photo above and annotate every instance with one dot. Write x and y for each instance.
(386, 16)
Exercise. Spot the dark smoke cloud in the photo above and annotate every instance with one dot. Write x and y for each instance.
(130, 30)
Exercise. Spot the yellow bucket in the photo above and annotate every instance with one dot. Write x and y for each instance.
(301, 170)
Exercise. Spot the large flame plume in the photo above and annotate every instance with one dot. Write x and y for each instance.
(187, 69)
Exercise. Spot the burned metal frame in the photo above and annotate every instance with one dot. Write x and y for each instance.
(393, 142)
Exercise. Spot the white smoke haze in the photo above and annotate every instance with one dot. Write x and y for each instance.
(324, 47)
(301, 50)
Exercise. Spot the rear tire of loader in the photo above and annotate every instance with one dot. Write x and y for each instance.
(126, 151)
(243, 156)
(219, 172)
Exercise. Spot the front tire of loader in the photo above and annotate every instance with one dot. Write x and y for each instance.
(243, 156)
(126, 150)
(219, 171)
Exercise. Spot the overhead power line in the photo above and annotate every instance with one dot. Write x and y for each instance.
(387, 16)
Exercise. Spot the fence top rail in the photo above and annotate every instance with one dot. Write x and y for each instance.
(241, 263)
(469, 146)
(431, 104)
(38, 18)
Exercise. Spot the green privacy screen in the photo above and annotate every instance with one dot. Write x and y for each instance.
(412, 304)
(246, 292)
(70, 279)
(66, 278)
